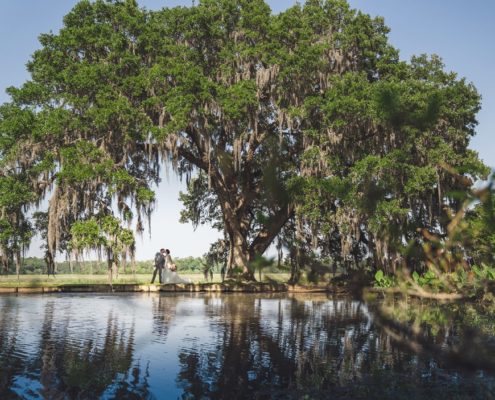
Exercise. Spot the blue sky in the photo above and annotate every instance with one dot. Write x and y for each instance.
(461, 32)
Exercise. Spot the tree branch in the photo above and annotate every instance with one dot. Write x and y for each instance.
(270, 231)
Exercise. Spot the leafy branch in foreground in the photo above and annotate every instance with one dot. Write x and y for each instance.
(452, 267)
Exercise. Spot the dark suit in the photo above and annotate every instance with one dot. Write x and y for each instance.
(159, 265)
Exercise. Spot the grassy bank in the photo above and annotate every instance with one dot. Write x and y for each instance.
(85, 279)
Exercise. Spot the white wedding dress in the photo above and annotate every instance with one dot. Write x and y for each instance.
(169, 276)
(172, 277)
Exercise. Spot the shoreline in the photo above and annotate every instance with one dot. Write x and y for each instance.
(236, 287)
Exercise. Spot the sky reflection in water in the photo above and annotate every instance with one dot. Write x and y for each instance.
(211, 346)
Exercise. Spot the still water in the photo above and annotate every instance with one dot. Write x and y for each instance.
(169, 346)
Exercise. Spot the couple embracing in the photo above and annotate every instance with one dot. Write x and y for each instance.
(165, 268)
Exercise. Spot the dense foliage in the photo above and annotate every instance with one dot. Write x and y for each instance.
(304, 128)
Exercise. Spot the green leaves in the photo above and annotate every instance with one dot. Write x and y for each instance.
(420, 180)
(16, 125)
(14, 193)
(86, 235)
(145, 195)
(408, 103)
(382, 280)
(429, 278)
(239, 100)
(83, 162)
(386, 214)
(106, 233)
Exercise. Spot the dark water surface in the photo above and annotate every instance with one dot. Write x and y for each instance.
(168, 346)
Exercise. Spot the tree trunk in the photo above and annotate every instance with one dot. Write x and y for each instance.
(297, 261)
(237, 218)
(109, 265)
(241, 255)
(5, 266)
(18, 263)
(124, 262)
(230, 260)
(133, 264)
(50, 264)
(115, 267)
(242, 252)
(295, 272)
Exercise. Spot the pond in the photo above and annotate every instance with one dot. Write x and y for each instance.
(198, 346)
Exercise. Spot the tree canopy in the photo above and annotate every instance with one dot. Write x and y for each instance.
(304, 125)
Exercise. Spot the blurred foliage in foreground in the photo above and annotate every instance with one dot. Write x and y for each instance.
(460, 262)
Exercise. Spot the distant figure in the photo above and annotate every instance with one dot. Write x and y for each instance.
(159, 265)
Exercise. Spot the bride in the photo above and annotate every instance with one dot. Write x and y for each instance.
(170, 271)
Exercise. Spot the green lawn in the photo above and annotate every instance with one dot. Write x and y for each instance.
(76, 279)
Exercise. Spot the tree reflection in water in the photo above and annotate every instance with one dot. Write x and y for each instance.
(68, 367)
(10, 362)
(164, 309)
(313, 349)
(225, 347)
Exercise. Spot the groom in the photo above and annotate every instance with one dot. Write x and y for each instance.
(159, 264)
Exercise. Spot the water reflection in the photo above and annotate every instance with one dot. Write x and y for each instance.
(201, 347)
(59, 356)
(163, 314)
(10, 361)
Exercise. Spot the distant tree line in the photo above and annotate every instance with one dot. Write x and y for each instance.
(36, 265)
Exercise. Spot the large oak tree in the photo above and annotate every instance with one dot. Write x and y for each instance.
(309, 110)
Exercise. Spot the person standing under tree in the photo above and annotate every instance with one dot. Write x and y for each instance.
(159, 265)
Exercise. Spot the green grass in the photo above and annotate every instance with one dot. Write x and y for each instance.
(85, 279)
